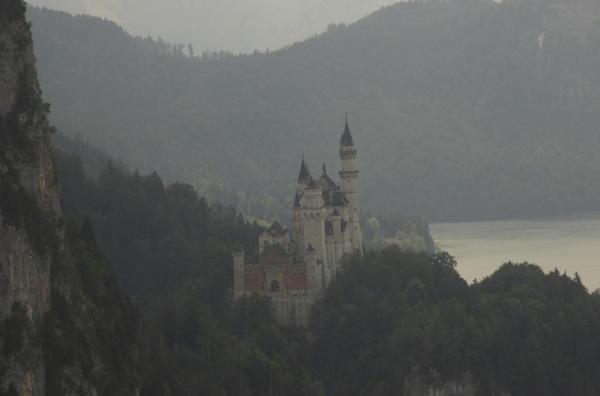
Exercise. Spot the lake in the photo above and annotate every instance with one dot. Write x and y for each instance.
(570, 244)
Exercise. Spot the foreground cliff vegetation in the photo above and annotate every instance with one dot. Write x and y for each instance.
(460, 109)
(65, 327)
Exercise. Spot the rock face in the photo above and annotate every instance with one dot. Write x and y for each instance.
(29, 199)
(53, 333)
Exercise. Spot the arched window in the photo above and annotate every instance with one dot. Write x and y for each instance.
(274, 286)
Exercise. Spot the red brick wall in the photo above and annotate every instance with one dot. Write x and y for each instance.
(295, 279)
(255, 279)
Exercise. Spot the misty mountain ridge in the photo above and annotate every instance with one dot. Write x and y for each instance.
(235, 26)
(460, 110)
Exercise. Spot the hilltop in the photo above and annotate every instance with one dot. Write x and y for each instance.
(461, 110)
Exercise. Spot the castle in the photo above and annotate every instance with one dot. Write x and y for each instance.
(295, 266)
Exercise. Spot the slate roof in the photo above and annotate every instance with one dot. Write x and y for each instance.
(276, 229)
(304, 175)
(276, 248)
(346, 139)
(327, 184)
(339, 199)
(312, 184)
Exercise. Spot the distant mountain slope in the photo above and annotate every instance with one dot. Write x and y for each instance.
(460, 109)
(234, 25)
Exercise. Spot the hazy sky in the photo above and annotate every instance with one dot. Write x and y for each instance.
(233, 25)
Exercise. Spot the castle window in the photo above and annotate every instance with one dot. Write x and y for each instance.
(274, 286)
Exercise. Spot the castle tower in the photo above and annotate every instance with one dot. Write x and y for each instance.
(349, 177)
(297, 217)
(312, 215)
(314, 269)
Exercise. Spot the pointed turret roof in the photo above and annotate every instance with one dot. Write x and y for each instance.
(325, 181)
(346, 139)
(304, 175)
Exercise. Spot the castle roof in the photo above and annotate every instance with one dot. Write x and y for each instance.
(327, 184)
(304, 175)
(276, 252)
(276, 229)
(346, 139)
(312, 183)
(338, 199)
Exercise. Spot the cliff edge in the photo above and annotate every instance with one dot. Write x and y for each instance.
(59, 304)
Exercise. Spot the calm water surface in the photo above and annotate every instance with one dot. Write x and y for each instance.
(569, 244)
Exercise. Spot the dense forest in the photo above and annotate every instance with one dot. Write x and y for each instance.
(461, 110)
(400, 323)
(394, 322)
(171, 253)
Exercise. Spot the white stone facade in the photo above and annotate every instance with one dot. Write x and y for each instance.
(295, 266)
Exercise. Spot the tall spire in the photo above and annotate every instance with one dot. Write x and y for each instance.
(346, 139)
(304, 176)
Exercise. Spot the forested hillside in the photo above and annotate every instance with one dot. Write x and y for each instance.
(394, 322)
(397, 323)
(214, 24)
(460, 109)
(171, 253)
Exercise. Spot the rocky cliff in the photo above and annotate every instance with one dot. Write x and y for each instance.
(59, 306)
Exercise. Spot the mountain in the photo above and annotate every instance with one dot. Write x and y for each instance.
(235, 26)
(460, 110)
(65, 328)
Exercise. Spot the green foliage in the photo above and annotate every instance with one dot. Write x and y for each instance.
(395, 315)
(13, 9)
(13, 331)
(85, 340)
(89, 322)
(172, 251)
(154, 235)
(459, 110)
(388, 318)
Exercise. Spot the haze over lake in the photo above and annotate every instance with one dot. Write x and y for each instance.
(570, 244)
